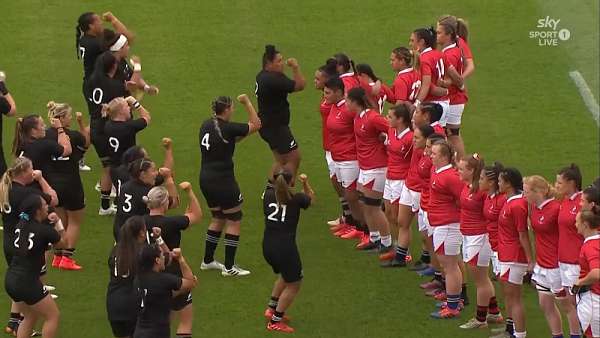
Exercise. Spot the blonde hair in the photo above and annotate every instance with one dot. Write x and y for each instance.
(459, 25)
(539, 184)
(156, 197)
(111, 109)
(283, 194)
(19, 166)
(58, 110)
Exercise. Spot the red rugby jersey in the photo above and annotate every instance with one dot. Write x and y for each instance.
(414, 181)
(444, 200)
(324, 109)
(472, 221)
(544, 222)
(424, 170)
(569, 240)
(453, 57)
(492, 206)
(512, 220)
(589, 259)
(340, 127)
(432, 63)
(399, 152)
(370, 148)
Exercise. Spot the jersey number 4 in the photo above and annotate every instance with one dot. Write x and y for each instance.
(16, 242)
(204, 141)
(274, 216)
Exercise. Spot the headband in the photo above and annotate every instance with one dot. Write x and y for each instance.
(119, 43)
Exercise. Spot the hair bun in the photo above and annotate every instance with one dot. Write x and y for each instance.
(145, 199)
(51, 105)
(270, 50)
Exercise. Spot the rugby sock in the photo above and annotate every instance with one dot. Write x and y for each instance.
(510, 325)
(425, 257)
(401, 254)
(386, 241)
(437, 275)
(273, 303)
(520, 334)
(212, 239)
(575, 335)
(277, 317)
(58, 252)
(482, 312)
(345, 207)
(183, 335)
(452, 301)
(14, 320)
(105, 199)
(463, 294)
(231, 243)
(493, 306)
(374, 236)
(68, 252)
(560, 335)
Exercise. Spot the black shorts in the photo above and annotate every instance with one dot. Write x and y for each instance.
(100, 141)
(70, 193)
(279, 138)
(180, 302)
(155, 332)
(28, 290)
(122, 328)
(221, 193)
(284, 259)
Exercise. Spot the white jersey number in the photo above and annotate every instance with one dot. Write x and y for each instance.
(97, 95)
(274, 215)
(16, 242)
(81, 52)
(113, 142)
(414, 90)
(127, 203)
(440, 69)
(204, 141)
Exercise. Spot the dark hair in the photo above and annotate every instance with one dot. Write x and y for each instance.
(109, 37)
(401, 111)
(83, 25)
(329, 68)
(269, 55)
(426, 130)
(513, 177)
(592, 195)
(147, 256)
(104, 64)
(433, 138)
(283, 194)
(26, 211)
(435, 111)
(492, 172)
(363, 68)
(591, 217)
(404, 54)
(345, 61)
(335, 83)
(596, 183)
(128, 246)
(477, 164)
(359, 96)
(23, 129)
(138, 166)
(428, 35)
(572, 173)
(132, 154)
(219, 105)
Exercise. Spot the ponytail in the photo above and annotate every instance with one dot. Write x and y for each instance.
(218, 106)
(539, 184)
(57, 110)
(283, 194)
(462, 29)
(359, 96)
(128, 247)
(20, 165)
(476, 163)
(83, 24)
(572, 173)
(428, 35)
(492, 173)
(156, 197)
(23, 128)
(404, 54)
(363, 68)
(138, 166)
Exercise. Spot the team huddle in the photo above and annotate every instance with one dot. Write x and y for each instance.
(394, 154)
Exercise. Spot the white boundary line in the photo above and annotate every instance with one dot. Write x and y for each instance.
(586, 94)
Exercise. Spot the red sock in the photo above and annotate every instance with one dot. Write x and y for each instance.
(482, 312)
(493, 307)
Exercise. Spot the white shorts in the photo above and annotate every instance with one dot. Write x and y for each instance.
(330, 164)
(445, 105)
(548, 281)
(447, 239)
(347, 173)
(426, 222)
(422, 221)
(373, 179)
(454, 114)
(513, 272)
(569, 274)
(588, 312)
(495, 264)
(393, 190)
(477, 250)
(410, 198)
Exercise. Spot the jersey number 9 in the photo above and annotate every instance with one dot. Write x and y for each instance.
(113, 142)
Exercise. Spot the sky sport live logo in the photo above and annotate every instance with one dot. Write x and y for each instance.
(549, 33)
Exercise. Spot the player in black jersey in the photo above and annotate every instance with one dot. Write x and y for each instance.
(18, 182)
(272, 89)
(63, 176)
(8, 107)
(130, 201)
(101, 87)
(157, 288)
(171, 227)
(121, 128)
(31, 142)
(281, 207)
(218, 136)
(22, 280)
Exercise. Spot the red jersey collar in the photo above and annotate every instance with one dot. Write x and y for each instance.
(448, 47)
(428, 49)
(543, 204)
(363, 113)
(574, 196)
(399, 136)
(596, 236)
(446, 167)
(347, 74)
(405, 71)
(341, 103)
(436, 123)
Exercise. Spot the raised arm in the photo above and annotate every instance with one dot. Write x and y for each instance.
(306, 188)
(254, 123)
(169, 162)
(85, 131)
(193, 210)
(188, 280)
(171, 188)
(4, 92)
(63, 138)
(46, 189)
(298, 77)
(136, 105)
(118, 26)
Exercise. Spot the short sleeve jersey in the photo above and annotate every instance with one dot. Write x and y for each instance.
(156, 290)
(171, 228)
(89, 49)
(340, 126)
(130, 202)
(66, 167)
(282, 220)
(41, 152)
(121, 136)
(30, 262)
(512, 220)
(272, 89)
(217, 145)
(100, 89)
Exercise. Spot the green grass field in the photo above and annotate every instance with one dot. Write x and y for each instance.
(523, 110)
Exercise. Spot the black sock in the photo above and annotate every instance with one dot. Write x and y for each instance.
(58, 252)
(438, 277)
(105, 199)
(273, 302)
(14, 319)
(231, 243)
(183, 335)
(510, 326)
(212, 239)
(345, 208)
(425, 257)
(68, 252)
(277, 317)
(463, 292)
(350, 220)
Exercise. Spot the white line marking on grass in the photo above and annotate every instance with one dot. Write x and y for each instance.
(586, 94)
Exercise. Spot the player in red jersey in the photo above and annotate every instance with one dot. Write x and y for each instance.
(372, 160)
(568, 185)
(588, 284)
(476, 245)
(399, 147)
(347, 72)
(324, 73)
(372, 86)
(431, 69)
(340, 127)
(543, 217)
(407, 82)
(590, 198)
(447, 38)
(444, 217)
(462, 31)
(514, 249)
